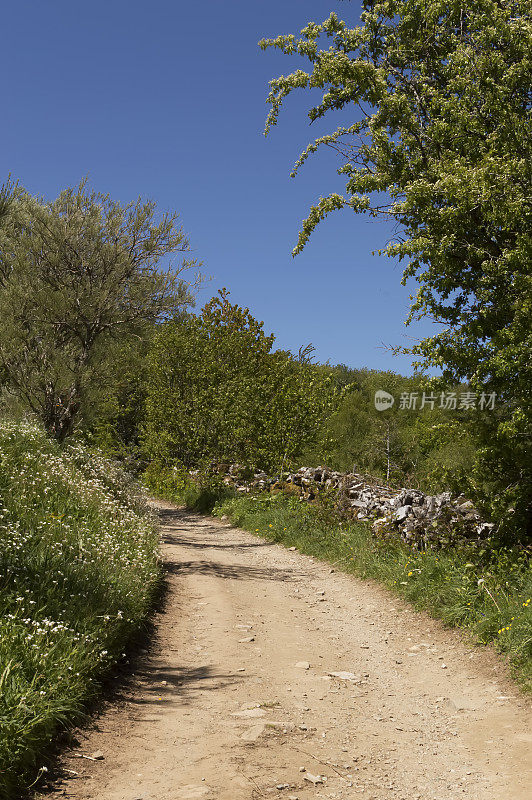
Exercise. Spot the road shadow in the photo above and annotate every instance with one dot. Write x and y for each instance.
(147, 686)
(168, 515)
(177, 685)
(180, 535)
(238, 572)
(175, 537)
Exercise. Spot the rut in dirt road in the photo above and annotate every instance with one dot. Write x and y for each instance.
(239, 699)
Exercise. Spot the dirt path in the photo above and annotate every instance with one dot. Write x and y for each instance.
(222, 709)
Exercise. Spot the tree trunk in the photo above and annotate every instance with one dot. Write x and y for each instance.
(60, 413)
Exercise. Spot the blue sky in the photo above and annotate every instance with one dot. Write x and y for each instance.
(167, 100)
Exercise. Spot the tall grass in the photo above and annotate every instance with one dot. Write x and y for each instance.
(78, 571)
(487, 592)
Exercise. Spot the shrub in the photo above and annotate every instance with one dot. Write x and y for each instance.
(199, 491)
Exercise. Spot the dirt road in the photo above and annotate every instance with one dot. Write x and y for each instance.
(238, 699)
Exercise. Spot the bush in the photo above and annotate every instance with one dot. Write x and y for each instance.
(200, 492)
(78, 572)
(167, 482)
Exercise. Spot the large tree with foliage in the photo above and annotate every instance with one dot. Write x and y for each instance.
(76, 274)
(440, 141)
(217, 392)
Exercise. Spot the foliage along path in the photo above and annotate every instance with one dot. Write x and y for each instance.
(225, 707)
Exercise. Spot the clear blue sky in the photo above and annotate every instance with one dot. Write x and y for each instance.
(166, 100)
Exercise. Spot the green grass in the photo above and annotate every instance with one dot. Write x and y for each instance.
(489, 593)
(78, 572)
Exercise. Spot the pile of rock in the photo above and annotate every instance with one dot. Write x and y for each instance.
(419, 519)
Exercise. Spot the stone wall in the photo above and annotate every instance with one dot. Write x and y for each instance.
(420, 519)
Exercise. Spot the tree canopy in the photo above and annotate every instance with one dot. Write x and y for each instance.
(8, 192)
(216, 391)
(76, 274)
(440, 142)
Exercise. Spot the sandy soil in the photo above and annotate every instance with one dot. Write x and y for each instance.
(223, 707)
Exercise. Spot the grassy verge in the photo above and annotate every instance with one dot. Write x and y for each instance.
(488, 593)
(78, 572)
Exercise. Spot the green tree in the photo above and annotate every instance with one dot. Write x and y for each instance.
(115, 409)
(76, 274)
(217, 392)
(8, 192)
(420, 444)
(440, 141)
